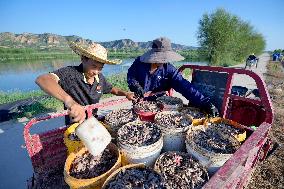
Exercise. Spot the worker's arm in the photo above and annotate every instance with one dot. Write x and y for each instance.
(195, 97)
(49, 84)
(119, 92)
(133, 84)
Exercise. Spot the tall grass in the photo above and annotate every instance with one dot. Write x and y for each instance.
(11, 54)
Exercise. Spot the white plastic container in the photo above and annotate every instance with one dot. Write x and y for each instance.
(147, 154)
(174, 138)
(213, 161)
(94, 135)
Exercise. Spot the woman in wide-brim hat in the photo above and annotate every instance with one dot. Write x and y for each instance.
(152, 74)
(161, 52)
(78, 86)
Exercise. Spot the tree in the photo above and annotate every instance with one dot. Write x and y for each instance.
(226, 39)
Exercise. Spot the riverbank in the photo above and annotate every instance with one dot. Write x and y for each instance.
(18, 54)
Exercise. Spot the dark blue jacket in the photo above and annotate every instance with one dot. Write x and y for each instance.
(163, 79)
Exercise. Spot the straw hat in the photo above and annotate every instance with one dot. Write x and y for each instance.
(93, 51)
(161, 52)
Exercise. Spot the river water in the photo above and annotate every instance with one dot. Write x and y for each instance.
(20, 76)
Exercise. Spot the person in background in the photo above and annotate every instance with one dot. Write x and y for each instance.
(252, 57)
(151, 75)
(78, 86)
(275, 56)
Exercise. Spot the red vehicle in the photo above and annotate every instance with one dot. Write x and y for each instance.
(48, 152)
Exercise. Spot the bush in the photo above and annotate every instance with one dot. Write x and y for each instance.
(226, 39)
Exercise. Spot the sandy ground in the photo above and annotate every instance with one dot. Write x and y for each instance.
(15, 163)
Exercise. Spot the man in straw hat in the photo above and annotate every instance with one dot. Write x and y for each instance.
(77, 86)
(151, 75)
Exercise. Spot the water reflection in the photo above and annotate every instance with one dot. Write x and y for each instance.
(21, 75)
(34, 66)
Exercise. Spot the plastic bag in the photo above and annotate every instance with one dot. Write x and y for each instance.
(94, 136)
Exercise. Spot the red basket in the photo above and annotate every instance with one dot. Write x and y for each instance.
(47, 150)
(146, 116)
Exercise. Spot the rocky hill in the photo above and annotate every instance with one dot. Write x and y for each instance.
(48, 40)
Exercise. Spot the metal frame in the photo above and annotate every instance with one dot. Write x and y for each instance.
(265, 101)
(236, 172)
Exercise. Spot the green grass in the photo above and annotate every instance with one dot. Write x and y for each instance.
(12, 96)
(12, 54)
(122, 55)
(49, 104)
(193, 55)
(186, 73)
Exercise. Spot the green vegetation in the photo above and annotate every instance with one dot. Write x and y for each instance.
(48, 104)
(193, 55)
(125, 53)
(278, 51)
(12, 96)
(226, 39)
(11, 54)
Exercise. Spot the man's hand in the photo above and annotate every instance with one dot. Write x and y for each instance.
(131, 96)
(75, 111)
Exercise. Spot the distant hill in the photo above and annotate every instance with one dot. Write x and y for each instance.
(50, 41)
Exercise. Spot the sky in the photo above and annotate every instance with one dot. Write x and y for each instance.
(138, 20)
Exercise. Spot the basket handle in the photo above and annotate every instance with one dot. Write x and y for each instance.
(88, 108)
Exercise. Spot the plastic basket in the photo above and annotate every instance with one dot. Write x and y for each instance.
(146, 116)
(46, 150)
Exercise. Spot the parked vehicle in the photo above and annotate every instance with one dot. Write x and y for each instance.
(48, 153)
(251, 63)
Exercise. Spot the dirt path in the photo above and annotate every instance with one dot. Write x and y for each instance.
(247, 81)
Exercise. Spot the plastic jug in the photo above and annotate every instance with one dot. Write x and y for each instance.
(94, 136)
